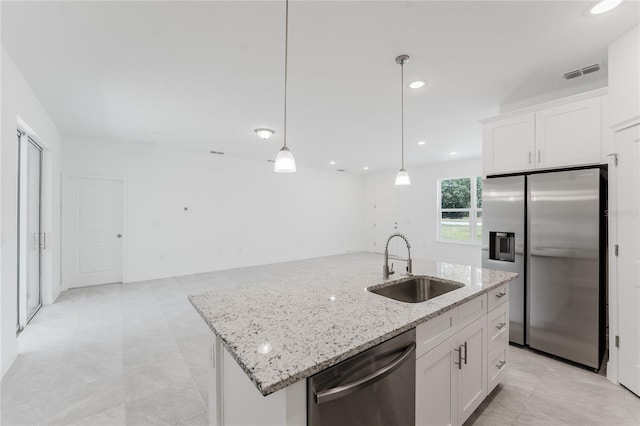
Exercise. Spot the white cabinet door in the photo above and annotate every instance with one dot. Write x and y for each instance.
(568, 135)
(509, 144)
(472, 378)
(436, 385)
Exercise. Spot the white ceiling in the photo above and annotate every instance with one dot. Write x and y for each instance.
(203, 75)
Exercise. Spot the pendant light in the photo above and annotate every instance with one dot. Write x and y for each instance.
(402, 178)
(285, 163)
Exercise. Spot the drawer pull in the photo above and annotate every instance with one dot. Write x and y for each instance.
(459, 363)
(501, 364)
(501, 325)
(501, 295)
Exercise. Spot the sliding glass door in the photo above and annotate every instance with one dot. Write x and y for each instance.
(31, 238)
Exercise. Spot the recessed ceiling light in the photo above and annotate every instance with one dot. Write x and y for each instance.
(416, 84)
(452, 153)
(332, 162)
(605, 6)
(422, 142)
(264, 134)
(365, 168)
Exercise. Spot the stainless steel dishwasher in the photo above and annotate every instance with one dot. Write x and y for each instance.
(374, 388)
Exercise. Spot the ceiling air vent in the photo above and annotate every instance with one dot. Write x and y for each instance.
(572, 74)
(590, 69)
(582, 71)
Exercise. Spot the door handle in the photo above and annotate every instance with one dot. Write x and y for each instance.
(465, 353)
(459, 363)
(539, 156)
(529, 157)
(343, 390)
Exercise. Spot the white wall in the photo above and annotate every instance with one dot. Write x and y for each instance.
(414, 208)
(240, 212)
(19, 103)
(624, 78)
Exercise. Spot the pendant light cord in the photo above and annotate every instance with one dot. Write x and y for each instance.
(286, 60)
(402, 108)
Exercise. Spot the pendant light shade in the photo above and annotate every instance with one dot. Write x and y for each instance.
(285, 163)
(402, 178)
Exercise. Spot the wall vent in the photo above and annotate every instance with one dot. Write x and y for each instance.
(590, 69)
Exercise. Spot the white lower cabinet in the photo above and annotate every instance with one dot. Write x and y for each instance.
(437, 385)
(451, 379)
(472, 377)
(462, 355)
(496, 367)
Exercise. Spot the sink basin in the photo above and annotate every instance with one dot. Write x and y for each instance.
(415, 289)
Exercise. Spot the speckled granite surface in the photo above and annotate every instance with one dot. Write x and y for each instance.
(318, 312)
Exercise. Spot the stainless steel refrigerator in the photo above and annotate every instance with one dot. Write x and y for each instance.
(550, 228)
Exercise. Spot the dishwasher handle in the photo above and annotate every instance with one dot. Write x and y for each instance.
(343, 390)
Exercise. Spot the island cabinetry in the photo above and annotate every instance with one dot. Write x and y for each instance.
(451, 377)
(234, 399)
(498, 336)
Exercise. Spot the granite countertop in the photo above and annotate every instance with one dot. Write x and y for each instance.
(318, 312)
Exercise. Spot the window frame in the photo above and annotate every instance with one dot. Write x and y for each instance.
(473, 211)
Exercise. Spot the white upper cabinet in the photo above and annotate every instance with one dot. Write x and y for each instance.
(565, 134)
(508, 144)
(568, 135)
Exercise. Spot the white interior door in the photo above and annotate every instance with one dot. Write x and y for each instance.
(94, 231)
(628, 226)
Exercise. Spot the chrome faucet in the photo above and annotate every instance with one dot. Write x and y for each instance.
(386, 271)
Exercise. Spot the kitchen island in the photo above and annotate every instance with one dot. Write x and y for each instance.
(272, 336)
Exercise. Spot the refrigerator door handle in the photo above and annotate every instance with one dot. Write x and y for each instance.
(551, 252)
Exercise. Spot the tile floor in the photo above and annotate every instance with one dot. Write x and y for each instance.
(136, 354)
(539, 390)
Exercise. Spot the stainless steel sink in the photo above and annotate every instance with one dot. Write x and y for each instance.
(415, 289)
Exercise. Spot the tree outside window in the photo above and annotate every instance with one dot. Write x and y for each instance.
(460, 210)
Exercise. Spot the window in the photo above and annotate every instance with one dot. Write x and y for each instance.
(460, 210)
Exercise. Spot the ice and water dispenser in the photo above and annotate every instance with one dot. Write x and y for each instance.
(502, 246)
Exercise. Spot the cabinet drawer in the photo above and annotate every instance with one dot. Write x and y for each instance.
(498, 296)
(435, 331)
(497, 367)
(470, 311)
(498, 325)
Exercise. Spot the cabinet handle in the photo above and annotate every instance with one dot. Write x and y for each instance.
(538, 156)
(529, 157)
(501, 364)
(465, 353)
(501, 325)
(459, 363)
(501, 295)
